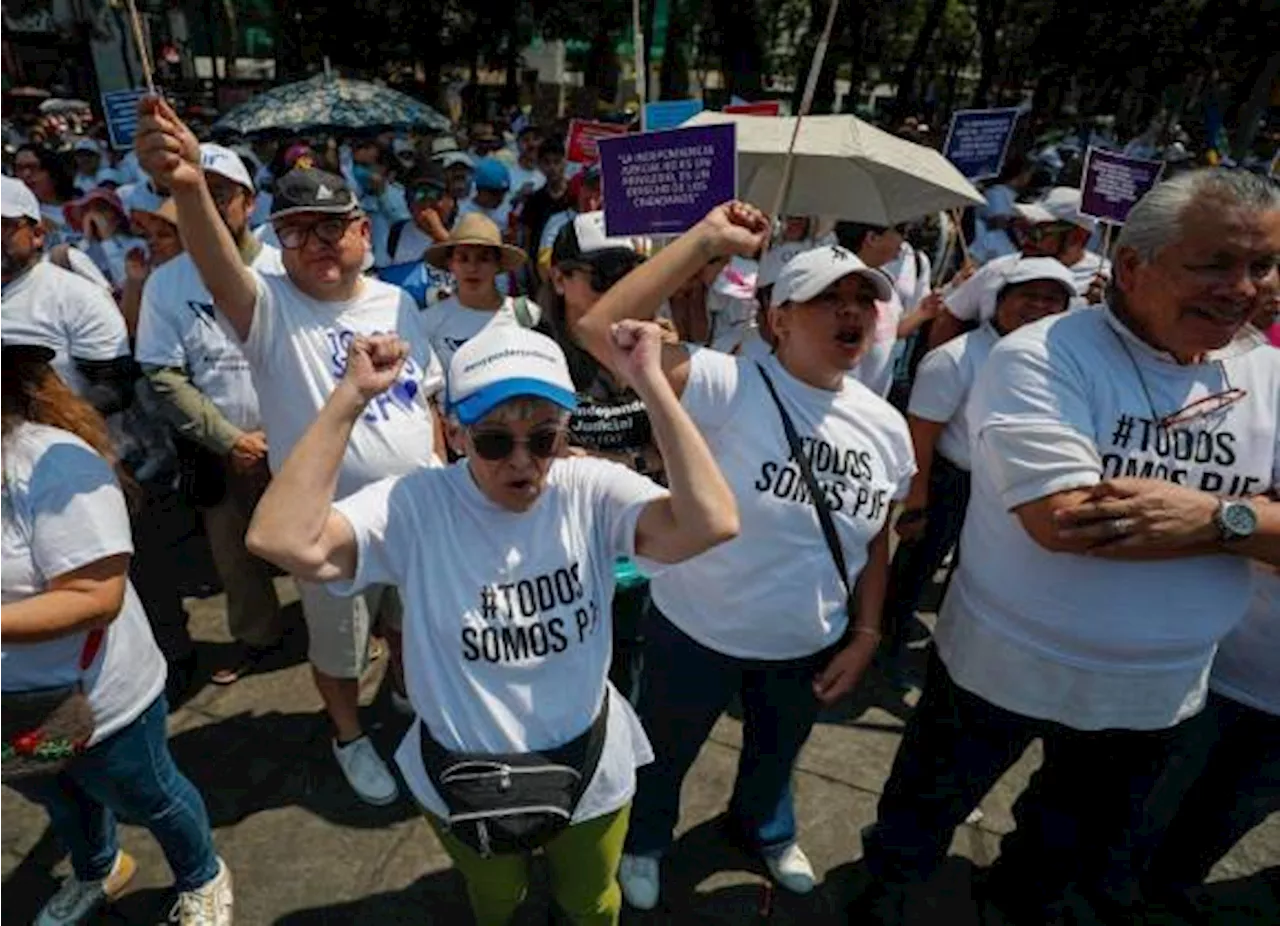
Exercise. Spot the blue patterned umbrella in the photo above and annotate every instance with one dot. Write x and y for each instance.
(327, 103)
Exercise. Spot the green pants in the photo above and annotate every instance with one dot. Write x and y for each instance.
(584, 873)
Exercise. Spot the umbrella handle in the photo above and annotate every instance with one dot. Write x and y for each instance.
(806, 101)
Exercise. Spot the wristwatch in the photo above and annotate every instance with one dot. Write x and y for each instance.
(1235, 519)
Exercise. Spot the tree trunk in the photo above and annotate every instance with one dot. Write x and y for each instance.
(908, 77)
(990, 14)
(673, 79)
(741, 53)
(511, 85)
(1251, 112)
(601, 70)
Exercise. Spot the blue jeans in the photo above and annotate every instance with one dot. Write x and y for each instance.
(685, 688)
(131, 775)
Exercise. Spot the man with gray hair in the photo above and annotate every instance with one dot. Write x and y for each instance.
(1126, 466)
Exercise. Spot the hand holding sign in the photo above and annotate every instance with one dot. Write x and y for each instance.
(167, 149)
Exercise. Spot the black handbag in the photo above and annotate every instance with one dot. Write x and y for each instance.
(511, 803)
(45, 728)
(816, 494)
(202, 481)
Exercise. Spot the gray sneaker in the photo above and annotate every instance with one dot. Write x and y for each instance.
(76, 899)
(367, 774)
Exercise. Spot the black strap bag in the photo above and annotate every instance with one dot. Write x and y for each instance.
(512, 803)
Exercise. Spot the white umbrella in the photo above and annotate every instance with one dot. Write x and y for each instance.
(845, 168)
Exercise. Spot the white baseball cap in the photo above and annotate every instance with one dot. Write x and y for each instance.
(808, 274)
(1060, 204)
(1026, 270)
(17, 201)
(89, 145)
(451, 158)
(502, 362)
(226, 163)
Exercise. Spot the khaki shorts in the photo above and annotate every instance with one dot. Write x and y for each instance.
(339, 627)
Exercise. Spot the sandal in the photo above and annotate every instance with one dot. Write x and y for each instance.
(246, 661)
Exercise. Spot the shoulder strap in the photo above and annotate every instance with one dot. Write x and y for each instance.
(523, 316)
(394, 234)
(92, 643)
(818, 497)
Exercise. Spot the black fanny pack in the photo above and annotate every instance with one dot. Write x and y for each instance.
(509, 803)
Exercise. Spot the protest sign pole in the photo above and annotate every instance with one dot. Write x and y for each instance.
(642, 76)
(1106, 240)
(806, 101)
(144, 55)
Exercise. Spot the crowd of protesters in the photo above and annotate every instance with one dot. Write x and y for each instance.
(583, 492)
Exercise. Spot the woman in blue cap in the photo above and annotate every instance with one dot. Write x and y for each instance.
(505, 562)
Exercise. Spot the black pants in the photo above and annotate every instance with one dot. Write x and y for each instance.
(1086, 818)
(915, 561)
(1232, 785)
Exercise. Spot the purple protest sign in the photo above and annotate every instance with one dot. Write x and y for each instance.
(1112, 183)
(663, 183)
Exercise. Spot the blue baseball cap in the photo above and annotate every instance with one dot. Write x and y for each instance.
(506, 361)
(492, 174)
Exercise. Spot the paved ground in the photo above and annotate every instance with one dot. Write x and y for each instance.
(305, 852)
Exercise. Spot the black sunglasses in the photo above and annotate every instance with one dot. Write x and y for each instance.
(327, 231)
(606, 269)
(494, 445)
(425, 192)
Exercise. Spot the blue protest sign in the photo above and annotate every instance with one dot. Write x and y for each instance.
(977, 140)
(663, 183)
(1111, 184)
(668, 114)
(121, 110)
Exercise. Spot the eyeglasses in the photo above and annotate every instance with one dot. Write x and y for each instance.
(494, 445)
(1046, 230)
(327, 231)
(420, 194)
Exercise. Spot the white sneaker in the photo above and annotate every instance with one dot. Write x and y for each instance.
(76, 899)
(640, 880)
(209, 905)
(791, 869)
(367, 774)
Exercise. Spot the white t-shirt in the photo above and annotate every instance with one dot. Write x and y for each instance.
(773, 592)
(410, 247)
(990, 243)
(911, 272)
(519, 177)
(1247, 667)
(974, 299)
(875, 369)
(57, 307)
(507, 627)
(297, 352)
(63, 510)
(82, 265)
(449, 324)
(941, 389)
(177, 327)
(1089, 642)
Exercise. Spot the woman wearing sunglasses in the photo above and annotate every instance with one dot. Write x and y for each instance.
(768, 617)
(505, 565)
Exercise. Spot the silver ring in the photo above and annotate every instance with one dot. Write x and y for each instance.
(1121, 527)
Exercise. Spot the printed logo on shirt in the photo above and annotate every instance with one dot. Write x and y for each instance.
(851, 489)
(402, 393)
(531, 618)
(203, 311)
(1198, 455)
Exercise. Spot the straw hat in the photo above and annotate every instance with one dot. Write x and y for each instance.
(474, 228)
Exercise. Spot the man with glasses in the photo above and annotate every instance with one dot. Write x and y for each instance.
(206, 392)
(1125, 471)
(400, 256)
(294, 329)
(1052, 227)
